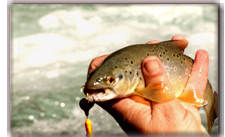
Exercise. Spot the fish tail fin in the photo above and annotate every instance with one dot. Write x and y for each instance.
(211, 110)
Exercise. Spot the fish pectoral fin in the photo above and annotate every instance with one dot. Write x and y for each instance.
(156, 92)
(193, 97)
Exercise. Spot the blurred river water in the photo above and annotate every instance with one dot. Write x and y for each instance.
(53, 44)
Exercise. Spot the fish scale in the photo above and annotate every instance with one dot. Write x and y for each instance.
(120, 75)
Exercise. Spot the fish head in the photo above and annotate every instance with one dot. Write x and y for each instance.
(106, 83)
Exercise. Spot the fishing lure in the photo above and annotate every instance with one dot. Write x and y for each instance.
(86, 106)
(88, 128)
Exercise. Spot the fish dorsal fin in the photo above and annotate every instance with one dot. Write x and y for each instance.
(179, 44)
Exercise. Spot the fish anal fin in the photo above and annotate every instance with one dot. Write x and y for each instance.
(156, 92)
(193, 97)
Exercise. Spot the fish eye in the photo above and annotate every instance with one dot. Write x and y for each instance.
(110, 80)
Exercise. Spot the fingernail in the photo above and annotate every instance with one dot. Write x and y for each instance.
(152, 67)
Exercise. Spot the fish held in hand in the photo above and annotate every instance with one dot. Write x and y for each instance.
(120, 75)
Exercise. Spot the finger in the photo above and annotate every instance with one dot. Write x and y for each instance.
(95, 62)
(153, 42)
(184, 43)
(178, 37)
(153, 71)
(199, 75)
(158, 88)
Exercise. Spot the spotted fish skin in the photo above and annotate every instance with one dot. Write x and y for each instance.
(120, 75)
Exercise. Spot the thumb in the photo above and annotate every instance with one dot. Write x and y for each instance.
(157, 86)
(154, 72)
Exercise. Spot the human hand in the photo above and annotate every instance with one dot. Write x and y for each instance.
(138, 115)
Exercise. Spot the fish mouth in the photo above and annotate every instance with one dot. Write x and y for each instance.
(99, 95)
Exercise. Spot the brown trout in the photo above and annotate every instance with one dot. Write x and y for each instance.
(119, 75)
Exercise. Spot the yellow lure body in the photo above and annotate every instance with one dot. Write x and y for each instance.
(88, 127)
